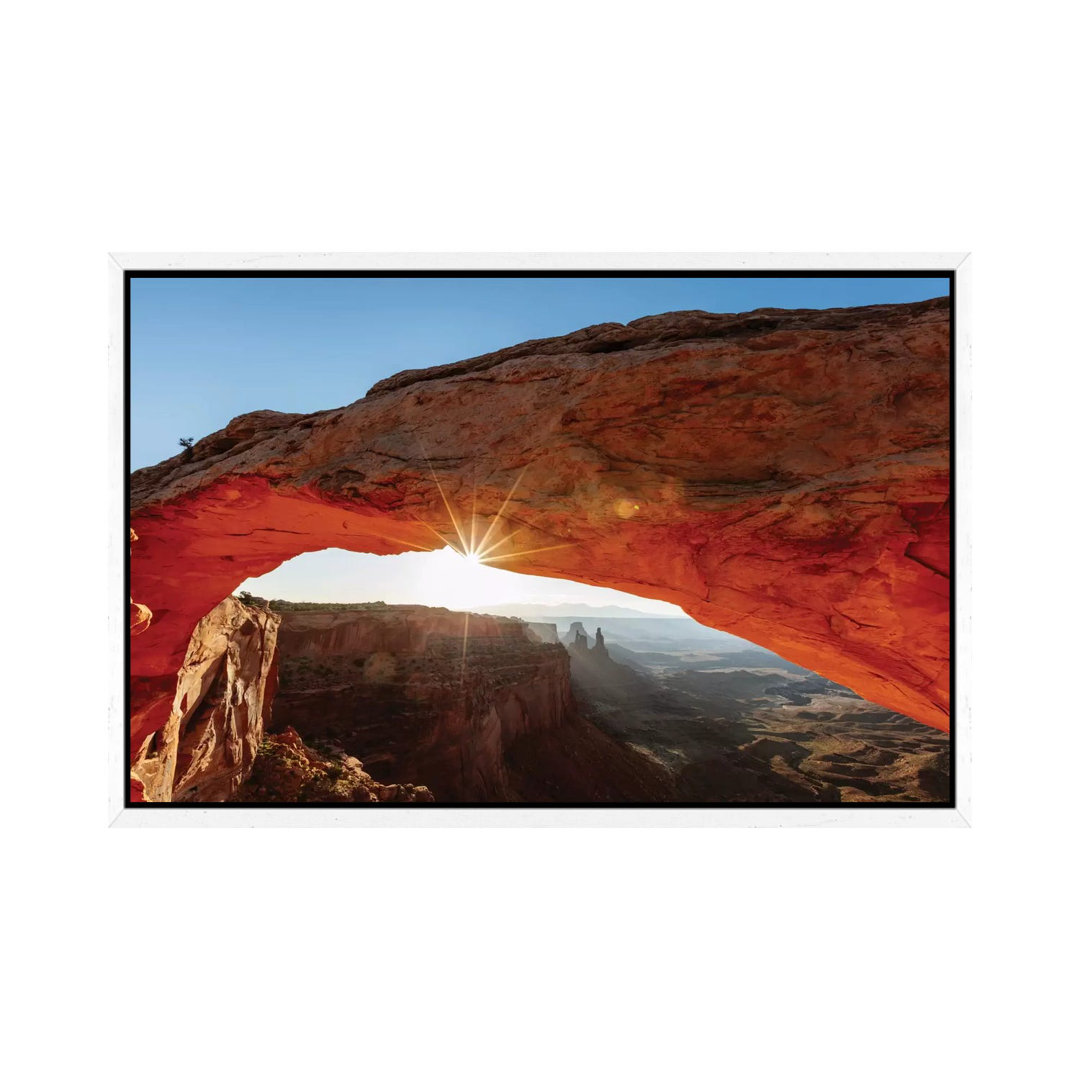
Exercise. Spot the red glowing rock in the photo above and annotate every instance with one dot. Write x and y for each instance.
(783, 475)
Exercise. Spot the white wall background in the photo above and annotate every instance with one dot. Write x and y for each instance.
(564, 126)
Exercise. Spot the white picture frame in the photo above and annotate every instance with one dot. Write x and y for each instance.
(861, 816)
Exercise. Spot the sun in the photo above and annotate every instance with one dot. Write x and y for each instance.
(482, 552)
(469, 580)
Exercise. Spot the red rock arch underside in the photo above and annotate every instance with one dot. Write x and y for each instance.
(783, 475)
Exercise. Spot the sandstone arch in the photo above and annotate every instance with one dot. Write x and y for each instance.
(780, 474)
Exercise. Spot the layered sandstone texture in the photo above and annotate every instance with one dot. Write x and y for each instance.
(783, 475)
(288, 771)
(223, 690)
(424, 696)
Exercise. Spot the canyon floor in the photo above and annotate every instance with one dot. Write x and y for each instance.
(391, 704)
(764, 733)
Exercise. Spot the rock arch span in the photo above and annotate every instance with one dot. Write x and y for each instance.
(783, 475)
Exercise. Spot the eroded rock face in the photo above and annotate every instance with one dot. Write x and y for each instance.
(423, 696)
(783, 475)
(287, 771)
(223, 690)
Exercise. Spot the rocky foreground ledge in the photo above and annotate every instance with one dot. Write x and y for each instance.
(783, 475)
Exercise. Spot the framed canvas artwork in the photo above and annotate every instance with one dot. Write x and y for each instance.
(553, 540)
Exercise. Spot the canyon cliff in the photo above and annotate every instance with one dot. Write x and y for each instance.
(223, 692)
(405, 689)
(783, 475)
(449, 700)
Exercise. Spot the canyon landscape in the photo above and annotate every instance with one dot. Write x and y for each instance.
(775, 483)
(385, 703)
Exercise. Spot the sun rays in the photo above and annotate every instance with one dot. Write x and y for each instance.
(481, 552)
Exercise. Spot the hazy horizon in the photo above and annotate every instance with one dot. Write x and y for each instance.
(439, 578)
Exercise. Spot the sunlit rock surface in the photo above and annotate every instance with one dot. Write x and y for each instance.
(783, 475)
(223, 690)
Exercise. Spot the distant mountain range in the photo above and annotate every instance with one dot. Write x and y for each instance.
(584, 612)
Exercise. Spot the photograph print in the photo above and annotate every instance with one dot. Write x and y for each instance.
(418, 539)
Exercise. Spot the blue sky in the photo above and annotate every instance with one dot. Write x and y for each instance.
(204, 350)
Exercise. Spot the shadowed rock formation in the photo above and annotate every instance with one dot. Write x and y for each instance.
(404, 689)
(783, 475)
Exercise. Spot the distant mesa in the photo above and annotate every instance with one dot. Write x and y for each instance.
(576, 637)
(582, 647)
